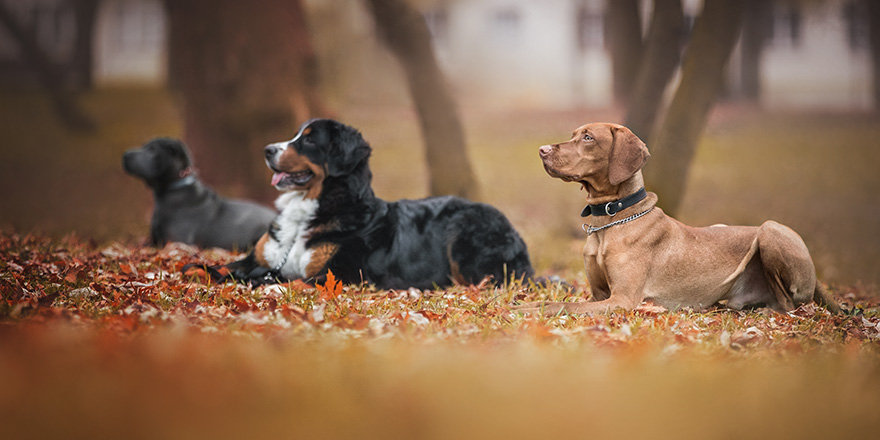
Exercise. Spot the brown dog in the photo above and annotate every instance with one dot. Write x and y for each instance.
(635, 252)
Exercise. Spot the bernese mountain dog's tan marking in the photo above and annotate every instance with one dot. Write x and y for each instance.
(321, 255)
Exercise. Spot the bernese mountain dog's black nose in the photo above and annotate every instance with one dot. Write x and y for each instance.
(271, 151)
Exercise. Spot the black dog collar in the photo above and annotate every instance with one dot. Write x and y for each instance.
(615, 206)
(180, 183)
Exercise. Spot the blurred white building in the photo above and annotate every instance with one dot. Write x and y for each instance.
(130, 42)
(524, 52)
(817, 56)
(553, 53)
(520, 53)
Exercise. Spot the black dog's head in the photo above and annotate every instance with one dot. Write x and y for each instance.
(322, 149)
(160, 162)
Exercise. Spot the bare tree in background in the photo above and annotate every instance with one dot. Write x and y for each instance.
(714, 35)
(756, 26)
(623, 32)
(404, 31)
(85, 14)
(47, 70)
(247, 73)
(873, 8)
(658, 64)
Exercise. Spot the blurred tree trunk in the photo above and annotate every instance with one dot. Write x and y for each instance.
(874, 31)
(623, 34)
(661, 57)
(86, 13)
(756, 27)
(672, 151)
(247, 73)
(47, 72)
(404, 31)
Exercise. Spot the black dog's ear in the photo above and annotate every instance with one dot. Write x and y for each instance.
(348, 150)
(174, 149)
(179, 150)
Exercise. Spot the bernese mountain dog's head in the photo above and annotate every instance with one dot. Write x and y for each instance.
(322, 149)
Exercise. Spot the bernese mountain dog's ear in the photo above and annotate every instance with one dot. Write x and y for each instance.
(347, 151)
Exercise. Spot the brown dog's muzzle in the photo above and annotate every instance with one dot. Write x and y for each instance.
(555, 162)
(545, 150)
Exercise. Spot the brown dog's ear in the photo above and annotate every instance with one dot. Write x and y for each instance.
(628, 155)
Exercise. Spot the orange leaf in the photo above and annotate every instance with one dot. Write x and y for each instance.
(331, 288)
(196, 271)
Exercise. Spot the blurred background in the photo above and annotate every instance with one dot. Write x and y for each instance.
(753, 110)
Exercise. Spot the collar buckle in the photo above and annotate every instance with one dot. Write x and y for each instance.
(612, 208)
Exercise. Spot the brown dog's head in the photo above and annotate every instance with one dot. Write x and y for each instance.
(599, 155)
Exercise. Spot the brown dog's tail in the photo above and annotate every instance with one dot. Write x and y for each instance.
(823, 298)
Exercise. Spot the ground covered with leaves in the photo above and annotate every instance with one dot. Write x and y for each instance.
(115, 340)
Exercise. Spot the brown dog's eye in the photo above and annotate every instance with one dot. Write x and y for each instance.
(588, 138)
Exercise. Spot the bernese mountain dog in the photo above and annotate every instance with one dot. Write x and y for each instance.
(330, 220)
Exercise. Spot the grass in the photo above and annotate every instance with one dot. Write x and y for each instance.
(102, 337)
(117, 341)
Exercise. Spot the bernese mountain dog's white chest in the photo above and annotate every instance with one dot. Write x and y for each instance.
(286, 253)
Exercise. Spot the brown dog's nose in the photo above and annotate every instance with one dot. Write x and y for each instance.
(545, 150)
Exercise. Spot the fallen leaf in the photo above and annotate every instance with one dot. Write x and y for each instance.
(750, 335)
(331, 289)
(650, 308)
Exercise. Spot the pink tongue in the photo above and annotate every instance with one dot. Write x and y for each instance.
(277, 178)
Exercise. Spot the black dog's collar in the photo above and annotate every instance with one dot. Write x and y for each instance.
(180, 183)
(614, 206)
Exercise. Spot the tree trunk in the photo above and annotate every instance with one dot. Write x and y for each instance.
(702, 77)
(874, 30)
(661, 57)
(755, 31)
(404, 31)
(623, 36)
(50, 77)
(246, 72)
(85, 12)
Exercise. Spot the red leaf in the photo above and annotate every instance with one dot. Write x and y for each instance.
(242, 306)
(433, 316)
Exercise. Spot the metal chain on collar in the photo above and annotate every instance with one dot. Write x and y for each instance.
(280, 265)
(590, 229)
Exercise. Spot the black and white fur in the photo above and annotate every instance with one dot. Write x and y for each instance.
(330, 220)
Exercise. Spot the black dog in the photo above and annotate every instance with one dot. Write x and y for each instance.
(186, 210)
(331, 220)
